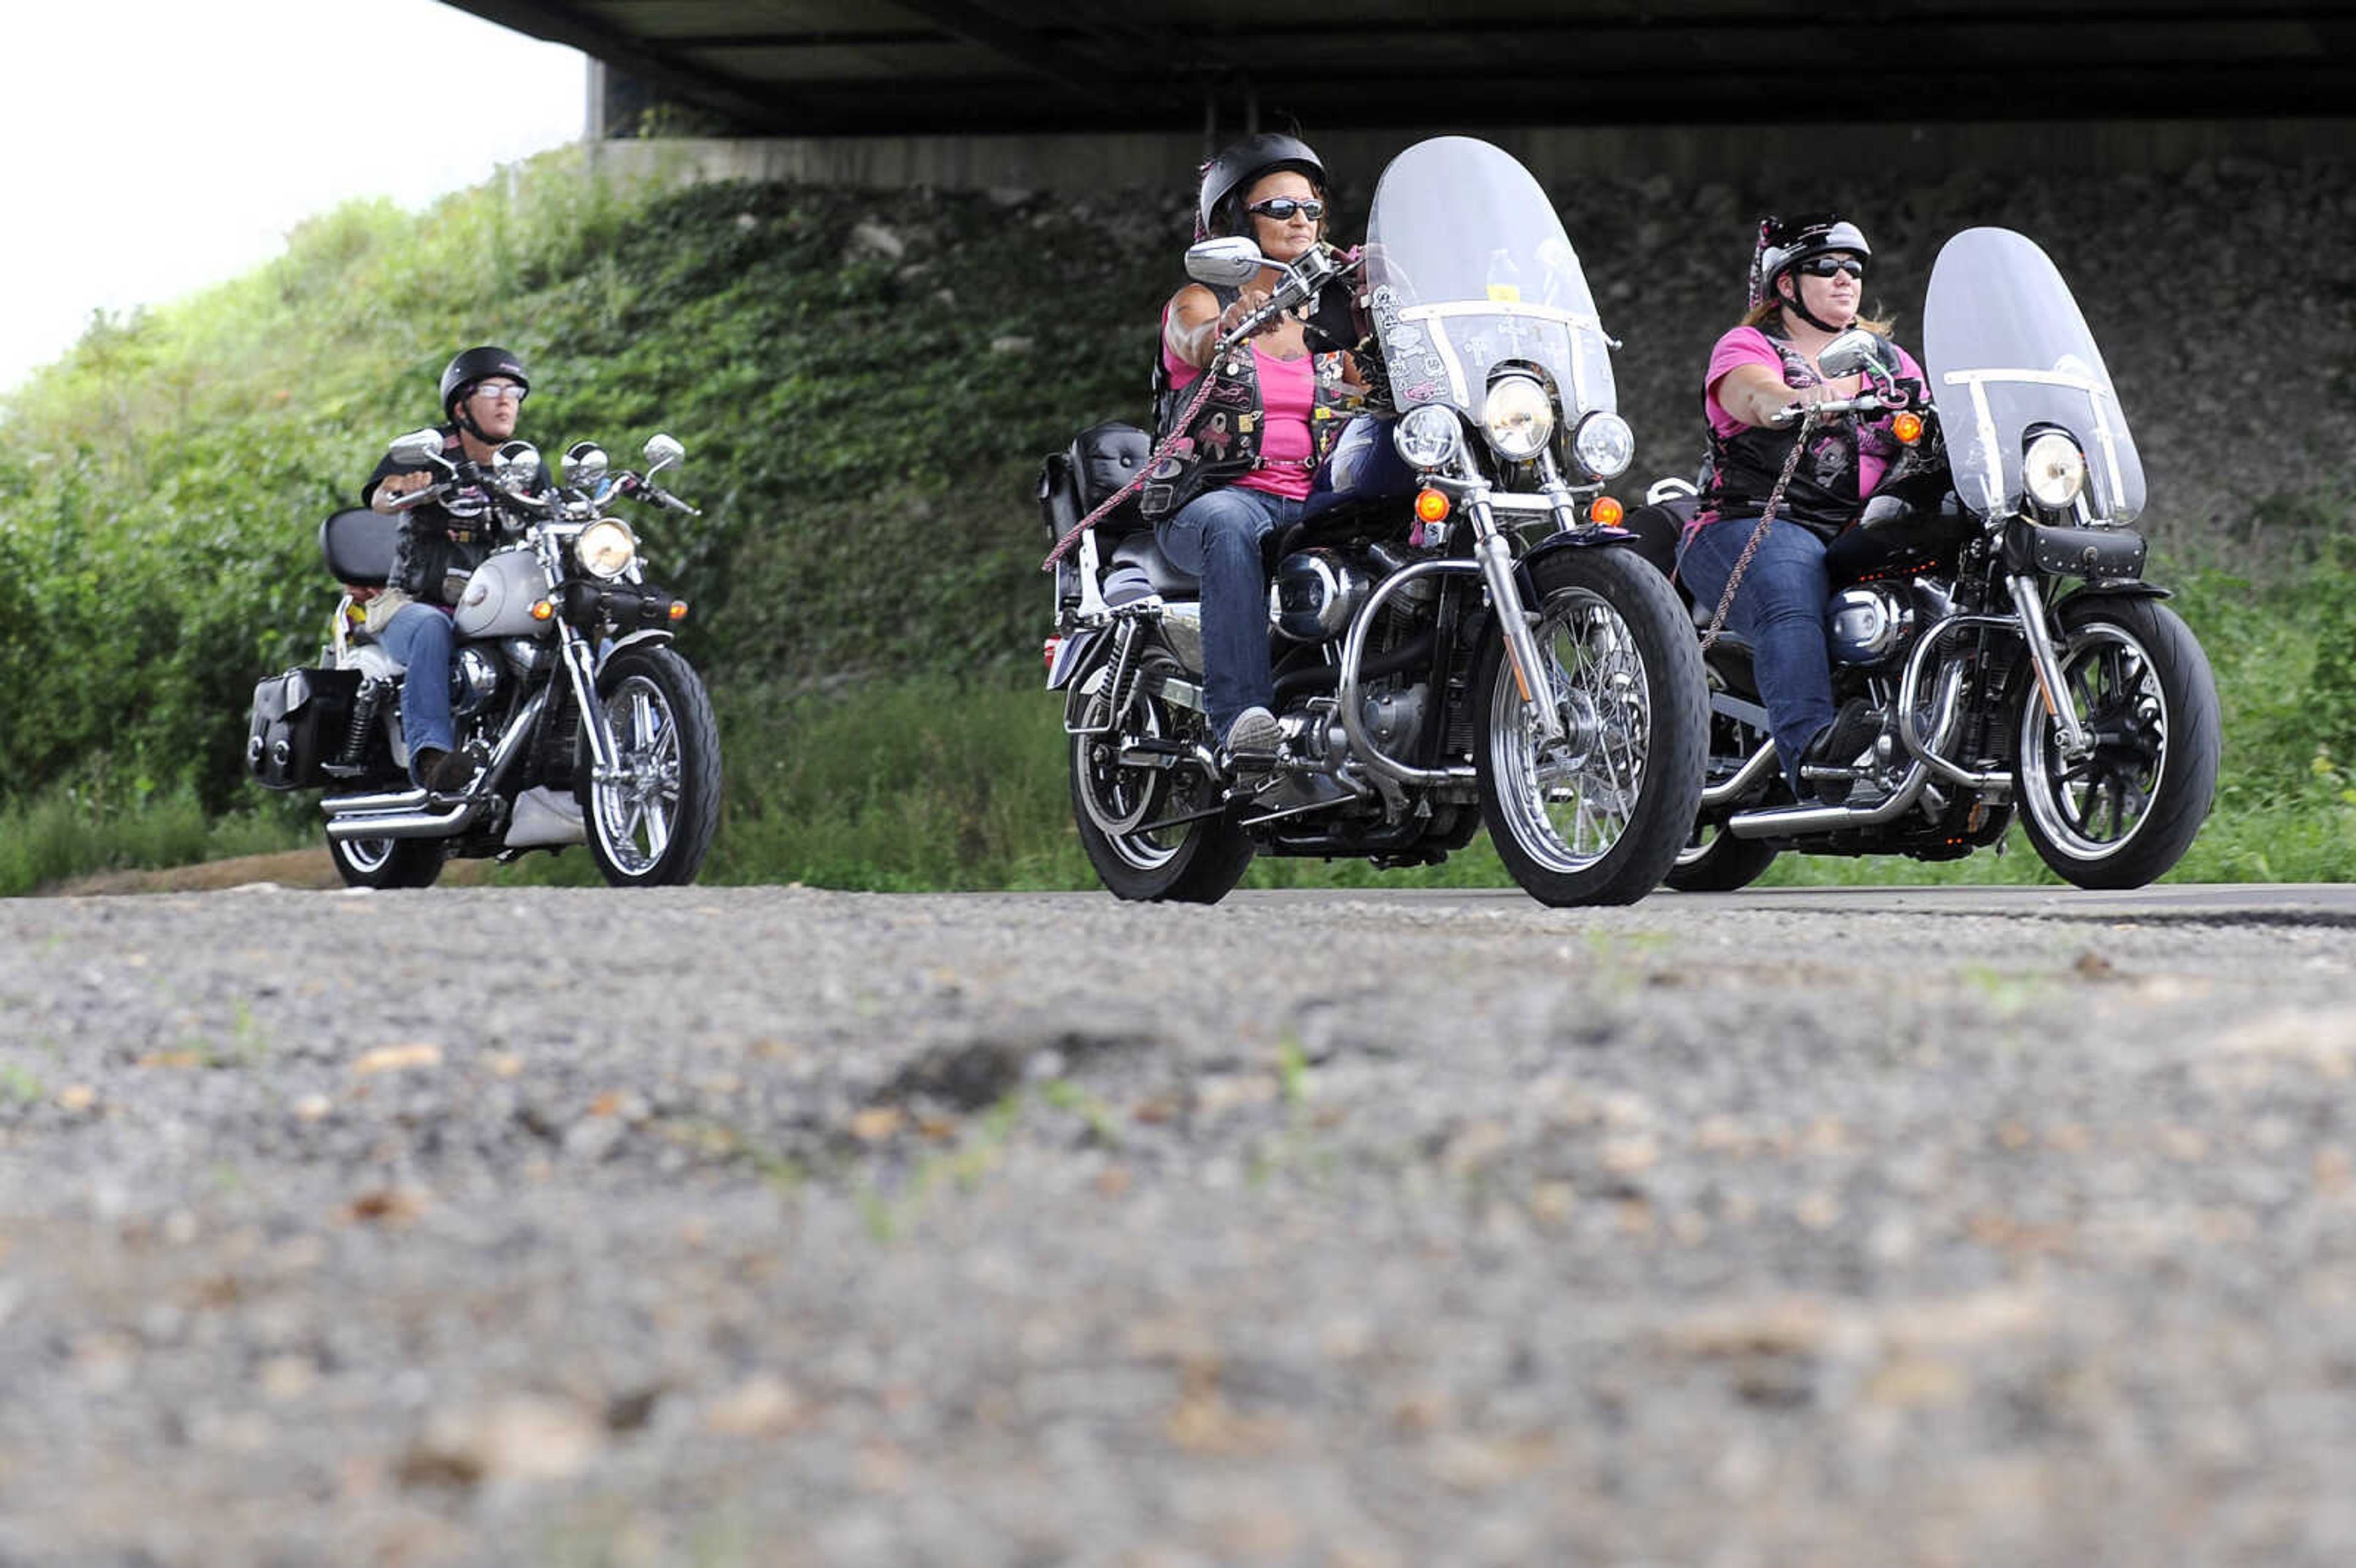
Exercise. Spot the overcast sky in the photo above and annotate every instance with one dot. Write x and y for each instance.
(157, 146)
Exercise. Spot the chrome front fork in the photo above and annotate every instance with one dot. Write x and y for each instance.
(2030, 606)
(1497, 558)
(581, 668)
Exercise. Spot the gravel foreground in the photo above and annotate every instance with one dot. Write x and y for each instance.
(740, 1226)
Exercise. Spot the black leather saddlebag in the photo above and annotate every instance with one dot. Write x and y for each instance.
(298, 721)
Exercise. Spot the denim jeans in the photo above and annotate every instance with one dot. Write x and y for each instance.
(1216, 535)
(418, 636)
(1780, 610)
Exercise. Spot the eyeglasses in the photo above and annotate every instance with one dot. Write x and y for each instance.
(513, 394)
(1282, 208)
(1827, 266)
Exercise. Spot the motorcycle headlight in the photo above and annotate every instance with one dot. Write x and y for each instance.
(1603, 444)
(1518, 418)
(2054, 469)
(1428, 437)
(605, 548)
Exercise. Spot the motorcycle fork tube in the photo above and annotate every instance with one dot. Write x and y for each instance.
(1506, 599)
(2031, 605)
(581, 667)
(1354, 652)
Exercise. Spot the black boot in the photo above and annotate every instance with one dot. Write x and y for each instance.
(1856, 726)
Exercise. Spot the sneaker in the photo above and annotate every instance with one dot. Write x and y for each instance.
(1254, 733)
(1838, 744)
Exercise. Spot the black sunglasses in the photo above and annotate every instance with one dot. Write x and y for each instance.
(1282, 208)
(1825, 266)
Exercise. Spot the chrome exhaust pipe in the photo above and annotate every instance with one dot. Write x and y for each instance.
(343, 829)
(393, 800)
(1795, 820)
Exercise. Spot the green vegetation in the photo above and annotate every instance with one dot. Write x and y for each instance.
(865, 384)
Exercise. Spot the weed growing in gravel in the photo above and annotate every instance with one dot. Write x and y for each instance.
(19, 1083)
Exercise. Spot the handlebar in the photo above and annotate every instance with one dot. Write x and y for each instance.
(1863, 403)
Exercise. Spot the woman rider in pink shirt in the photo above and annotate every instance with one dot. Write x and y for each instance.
(1244, 465)
(1808, 285)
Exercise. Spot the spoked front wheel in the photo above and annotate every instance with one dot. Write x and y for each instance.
(1597, 816)
(2124, 812)
(651, 816)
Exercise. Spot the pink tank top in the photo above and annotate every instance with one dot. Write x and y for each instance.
(1287, 391)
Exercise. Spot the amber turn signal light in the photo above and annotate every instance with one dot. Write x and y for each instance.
(678, 609)
(1907, 427)
(1606, 511)
(1430, 506)
(541, 610)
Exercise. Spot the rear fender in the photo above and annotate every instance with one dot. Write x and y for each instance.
(1072, 658)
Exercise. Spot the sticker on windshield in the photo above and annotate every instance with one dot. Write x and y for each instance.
(1504, 293)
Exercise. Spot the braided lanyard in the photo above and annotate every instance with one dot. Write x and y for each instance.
(1759, 533)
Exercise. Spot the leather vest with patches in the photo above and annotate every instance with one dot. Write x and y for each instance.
(1822, 495)
(1221, 445)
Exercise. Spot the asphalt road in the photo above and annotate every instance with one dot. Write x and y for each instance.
(725, 1226)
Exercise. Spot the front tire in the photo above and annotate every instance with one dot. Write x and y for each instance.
(650, 824)
(1598, 818)
(2125, 814)
(1115, 806)
(385, 863)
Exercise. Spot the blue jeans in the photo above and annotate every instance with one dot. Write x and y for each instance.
(1780, 610)
(1216, 535)
(418, 636)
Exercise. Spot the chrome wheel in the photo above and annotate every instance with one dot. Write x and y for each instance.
(2091, 807)
(1568, 802)
(637, 805)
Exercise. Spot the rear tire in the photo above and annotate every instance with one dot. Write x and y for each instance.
(1113, 807)
(385, 863)
(1714, 861)
(1599, 818)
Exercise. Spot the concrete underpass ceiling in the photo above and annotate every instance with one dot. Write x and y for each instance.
(823, 68)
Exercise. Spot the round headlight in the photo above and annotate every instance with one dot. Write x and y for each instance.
(1518, 417)
(605, 548)
(1428, 437)
(2054, 469)
(1603, 444)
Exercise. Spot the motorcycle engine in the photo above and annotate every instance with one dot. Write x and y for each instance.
(1315, 593)
(474, 681)
(1870, 622)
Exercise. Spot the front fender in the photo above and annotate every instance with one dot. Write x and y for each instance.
(1597, 538)
(651, 635)
(2136, 590)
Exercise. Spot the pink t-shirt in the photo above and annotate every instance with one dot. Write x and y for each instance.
(1749, 345)
(1288, 392)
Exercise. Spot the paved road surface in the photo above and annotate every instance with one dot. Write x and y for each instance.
(729, 1226)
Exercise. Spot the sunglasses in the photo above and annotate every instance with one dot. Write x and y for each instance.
(1282, 208)
(512, 394)
(1827, 266)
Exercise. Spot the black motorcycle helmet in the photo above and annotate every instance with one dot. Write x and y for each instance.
(1218, 205)
(1785, 243)
(477, 364)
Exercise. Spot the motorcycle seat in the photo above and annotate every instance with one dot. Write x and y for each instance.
(358, 546)
(1142, 553)
(372, 660)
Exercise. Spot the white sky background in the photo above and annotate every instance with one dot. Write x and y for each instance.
(158, 146)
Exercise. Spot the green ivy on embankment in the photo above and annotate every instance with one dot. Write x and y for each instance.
(866, 383)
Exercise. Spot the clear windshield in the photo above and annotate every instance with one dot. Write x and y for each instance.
(2006, 349)
(1467, 266)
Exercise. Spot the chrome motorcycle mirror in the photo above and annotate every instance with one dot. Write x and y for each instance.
(1857, 351)
(585, 463)
(1231, 261)
(662, 450)
(419, 448)
(516, 468)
